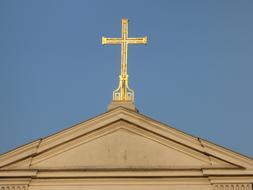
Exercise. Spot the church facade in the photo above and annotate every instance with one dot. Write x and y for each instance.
(122, 149)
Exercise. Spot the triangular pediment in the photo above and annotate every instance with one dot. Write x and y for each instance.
(122, 139)
(122, 145)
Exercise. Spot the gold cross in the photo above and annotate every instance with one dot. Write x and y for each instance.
(123, 92)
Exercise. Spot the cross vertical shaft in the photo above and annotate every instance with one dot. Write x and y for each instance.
(123, 92)
(123, 76)
(124, 47)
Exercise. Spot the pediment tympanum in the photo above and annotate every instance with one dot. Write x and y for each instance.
(123, 145)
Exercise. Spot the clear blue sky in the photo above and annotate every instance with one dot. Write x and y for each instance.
(196, 73)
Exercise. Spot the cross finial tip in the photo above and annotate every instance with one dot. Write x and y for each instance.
(145, 40)
(103, 40)
(124, 20)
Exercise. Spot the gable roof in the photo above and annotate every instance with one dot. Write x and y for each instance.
(172, 148)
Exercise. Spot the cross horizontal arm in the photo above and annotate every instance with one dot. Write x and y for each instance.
(111, 40)
(137, 40)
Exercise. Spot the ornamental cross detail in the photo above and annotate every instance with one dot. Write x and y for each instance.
(123, 92)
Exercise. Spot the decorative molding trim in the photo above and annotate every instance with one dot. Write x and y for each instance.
(101, 174)
(232, 187)
(13, 187)
(232, 179)
(119, 181)
(227, 172)
(18, 173)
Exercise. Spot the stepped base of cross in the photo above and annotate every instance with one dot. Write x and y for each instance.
(125, 104)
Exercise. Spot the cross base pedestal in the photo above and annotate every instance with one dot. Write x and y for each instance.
(126, 104)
